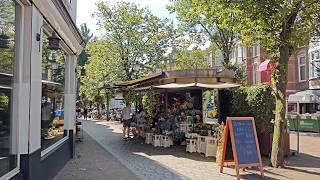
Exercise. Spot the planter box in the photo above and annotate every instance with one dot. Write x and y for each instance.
(265, 143)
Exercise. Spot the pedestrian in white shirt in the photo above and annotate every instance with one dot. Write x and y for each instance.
(126, 119)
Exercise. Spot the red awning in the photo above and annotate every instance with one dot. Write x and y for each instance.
(264, 66)
(267, 66)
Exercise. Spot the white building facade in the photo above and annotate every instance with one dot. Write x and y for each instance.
(39, 45)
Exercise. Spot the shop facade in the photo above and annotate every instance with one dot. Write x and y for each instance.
(39, 45)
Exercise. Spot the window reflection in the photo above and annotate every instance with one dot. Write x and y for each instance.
(7, 35)
(52, 110)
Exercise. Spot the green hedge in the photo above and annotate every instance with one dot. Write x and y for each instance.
(256, 101)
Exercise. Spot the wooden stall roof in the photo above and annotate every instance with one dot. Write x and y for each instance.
(216, 77)
(141, 80)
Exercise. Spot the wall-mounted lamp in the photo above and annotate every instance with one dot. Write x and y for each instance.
(54, 40)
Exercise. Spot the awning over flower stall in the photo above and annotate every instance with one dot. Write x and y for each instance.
(307, 96)
(214, 78)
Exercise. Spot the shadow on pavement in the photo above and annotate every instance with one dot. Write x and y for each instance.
(140, 153)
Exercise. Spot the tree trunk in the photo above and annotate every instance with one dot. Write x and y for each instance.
(281, 86)
(279, 130)
(280, 94)
(280, 121)
(226, 56)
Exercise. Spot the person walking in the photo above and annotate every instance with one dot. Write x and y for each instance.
(126, 119)
(85, 113)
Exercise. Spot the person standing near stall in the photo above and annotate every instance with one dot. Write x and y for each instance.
(141, 121)
(85, 113)
(126, 119)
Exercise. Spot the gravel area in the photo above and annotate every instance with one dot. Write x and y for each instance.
(93, 162)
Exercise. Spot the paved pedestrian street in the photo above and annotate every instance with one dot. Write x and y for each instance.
(148, 162)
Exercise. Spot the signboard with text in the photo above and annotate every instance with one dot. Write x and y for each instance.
(241, 144)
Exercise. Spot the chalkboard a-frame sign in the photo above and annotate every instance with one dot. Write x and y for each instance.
(241, 146)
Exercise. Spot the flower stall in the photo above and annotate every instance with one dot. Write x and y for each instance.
(186, 107)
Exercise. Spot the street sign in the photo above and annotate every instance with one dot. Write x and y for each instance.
(241, 145)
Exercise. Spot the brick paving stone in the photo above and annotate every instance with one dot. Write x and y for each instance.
(150, 163)
(92, 161)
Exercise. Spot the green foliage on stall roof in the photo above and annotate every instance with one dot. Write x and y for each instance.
(256, 101)
(240, 71)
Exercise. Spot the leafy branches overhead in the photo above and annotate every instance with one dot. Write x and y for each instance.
(207, 18)
(137, 35)
(102, 69)
(190, 59)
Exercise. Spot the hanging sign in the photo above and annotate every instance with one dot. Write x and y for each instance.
(241, 145)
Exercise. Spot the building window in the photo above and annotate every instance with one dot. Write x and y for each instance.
(302, 68)
(218, 58)
(8, 37)
(255, 50)
(315, 64)
(240, 54)
(52, 99)
(255, 72)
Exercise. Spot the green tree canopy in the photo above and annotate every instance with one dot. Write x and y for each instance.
(190, 59)
(137, 36)
(102, 70)
(206, 18)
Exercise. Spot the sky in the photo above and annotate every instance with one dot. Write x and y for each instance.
(85, 8)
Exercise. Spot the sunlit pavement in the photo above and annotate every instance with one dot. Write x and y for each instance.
(148, 162)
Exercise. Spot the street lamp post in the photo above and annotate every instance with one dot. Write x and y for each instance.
(136, 69)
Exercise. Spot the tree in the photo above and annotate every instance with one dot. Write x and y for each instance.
(279, 26)
(101, 71)
(87, 36)
(204, 17)
(190, 59)
(138, 37)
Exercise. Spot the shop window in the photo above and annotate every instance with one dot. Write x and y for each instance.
(302, 68)
(8, 157)
(52, 101)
